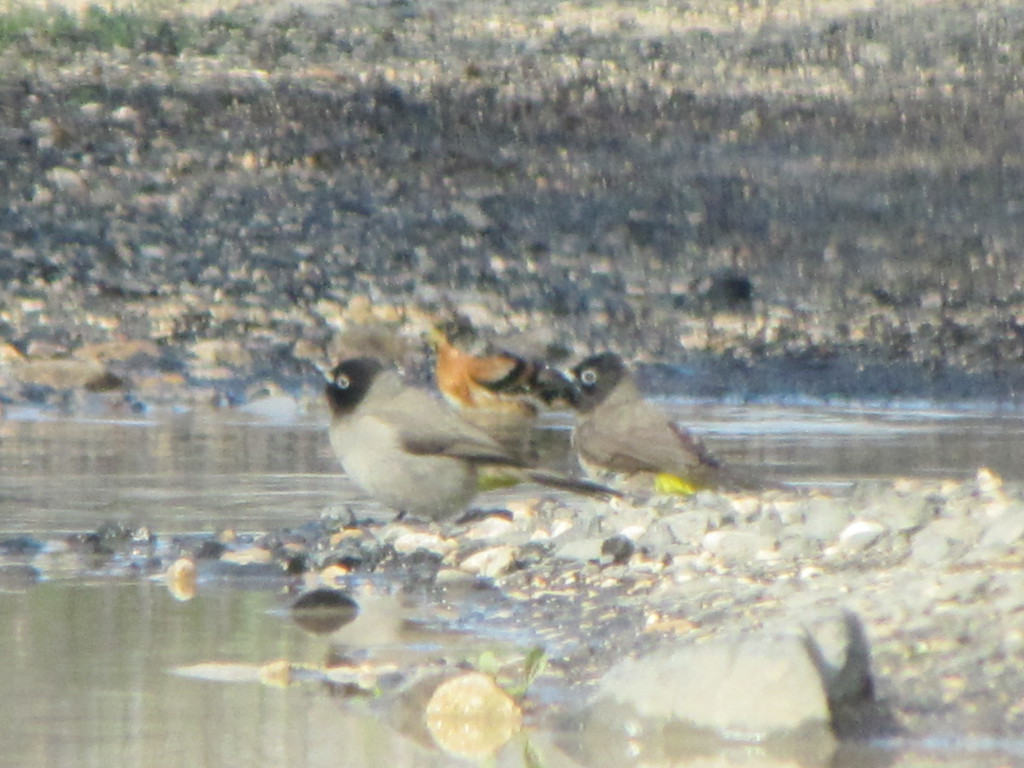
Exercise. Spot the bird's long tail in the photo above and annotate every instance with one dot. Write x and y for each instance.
(571, 484)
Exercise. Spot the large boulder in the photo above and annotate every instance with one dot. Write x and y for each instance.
(787, 692)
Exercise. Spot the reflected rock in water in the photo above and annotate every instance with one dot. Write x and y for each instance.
(17, 577)
(467, 715)
(388, 624)
(471, 716)
(279, 673)
(269, 401)
(21, 546)
(181, 579)
(276, 674)
(323, 610)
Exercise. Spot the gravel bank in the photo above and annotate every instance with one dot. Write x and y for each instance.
(930, 571)
(783, 197)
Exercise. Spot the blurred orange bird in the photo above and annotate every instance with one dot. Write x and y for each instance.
(500, 393)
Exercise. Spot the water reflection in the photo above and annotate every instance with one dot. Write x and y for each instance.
(205, 470)
(841, 445)
(86, 683)
(184, 473)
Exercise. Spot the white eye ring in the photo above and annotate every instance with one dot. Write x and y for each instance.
(589, 376)
(342, 381)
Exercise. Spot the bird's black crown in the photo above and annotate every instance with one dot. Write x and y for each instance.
(349, 382)
(596, 377)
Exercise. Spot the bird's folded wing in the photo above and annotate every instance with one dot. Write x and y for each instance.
(642, 439)
(459, 448)
(428, 428)
(692, 444)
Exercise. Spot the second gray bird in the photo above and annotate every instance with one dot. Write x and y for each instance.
(627, 441)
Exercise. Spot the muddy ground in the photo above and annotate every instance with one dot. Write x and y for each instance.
(783, 198)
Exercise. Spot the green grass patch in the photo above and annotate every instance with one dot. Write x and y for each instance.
(94, 27)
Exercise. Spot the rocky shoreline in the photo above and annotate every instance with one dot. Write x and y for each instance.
(925, 576)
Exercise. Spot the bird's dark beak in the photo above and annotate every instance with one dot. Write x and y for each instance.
(555, 388)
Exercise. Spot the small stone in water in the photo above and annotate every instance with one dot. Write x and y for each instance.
(181, 579)
(860, 534)
(323, 610)
(471, 716)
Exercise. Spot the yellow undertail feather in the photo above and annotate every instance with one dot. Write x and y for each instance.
(673, 485)
(494, 478)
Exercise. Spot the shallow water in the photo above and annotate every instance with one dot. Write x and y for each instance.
(201, 471)
(816, 445)
(88, 660)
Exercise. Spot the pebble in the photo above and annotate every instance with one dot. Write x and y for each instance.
(930, 548)
(68, 180)
(860, 535)
(794, 547)
(987, 483)
(493, 527)
(792, 689)
(559, 527)
(248, 556)
(1005, 591)
(791, 512)
(736, 545)
(124, 114)
(181, 579)
(212, 353)
(687, 527)
(618, 548)
(906, 514)
(1005, 531)
(406, 542)
(824, 519)
(943, 539)
(489, 563)
(585, 550)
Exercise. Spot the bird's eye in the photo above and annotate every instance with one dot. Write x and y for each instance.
(341, 381)
(589, 377)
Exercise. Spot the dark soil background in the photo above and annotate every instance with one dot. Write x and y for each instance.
(784, 201)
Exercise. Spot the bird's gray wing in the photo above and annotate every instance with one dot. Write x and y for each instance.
(428, 427)
(639, 437)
